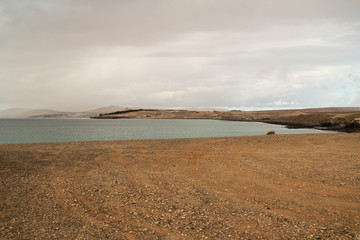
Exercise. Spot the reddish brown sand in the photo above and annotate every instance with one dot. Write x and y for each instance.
(272, 187)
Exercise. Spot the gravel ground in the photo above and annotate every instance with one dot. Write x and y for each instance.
(263, 187)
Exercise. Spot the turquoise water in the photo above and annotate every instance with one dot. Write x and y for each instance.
(66, 130)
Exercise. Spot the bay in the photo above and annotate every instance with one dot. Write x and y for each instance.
(69, 130)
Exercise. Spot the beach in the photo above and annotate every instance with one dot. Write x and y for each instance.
(304, 186)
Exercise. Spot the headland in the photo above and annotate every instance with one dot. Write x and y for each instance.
(339, 119)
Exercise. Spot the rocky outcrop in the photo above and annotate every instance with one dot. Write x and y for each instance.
(346, 123)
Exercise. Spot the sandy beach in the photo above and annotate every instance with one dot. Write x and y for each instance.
(260, 187)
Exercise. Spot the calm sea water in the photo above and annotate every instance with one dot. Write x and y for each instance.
(65, 130)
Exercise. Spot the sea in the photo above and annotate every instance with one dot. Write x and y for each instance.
(74, 130)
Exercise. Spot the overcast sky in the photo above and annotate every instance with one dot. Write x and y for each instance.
(244, 54)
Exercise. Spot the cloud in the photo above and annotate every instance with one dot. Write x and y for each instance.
(281, 102)
(66, 54)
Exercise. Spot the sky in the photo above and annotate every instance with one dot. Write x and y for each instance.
(236, 54)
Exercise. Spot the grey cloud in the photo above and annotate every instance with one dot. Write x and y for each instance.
(178, 53)
(133, 22)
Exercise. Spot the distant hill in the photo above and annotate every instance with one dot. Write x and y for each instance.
(106, 109)
(25, 112)
(333, 109)
(341, 119)
(49, 113)
(207, 113)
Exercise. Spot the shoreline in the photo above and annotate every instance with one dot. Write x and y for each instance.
(335, 119)
(166, 139)
(289, 125)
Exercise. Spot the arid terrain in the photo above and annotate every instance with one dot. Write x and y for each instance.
(262, 187)
(342, 119)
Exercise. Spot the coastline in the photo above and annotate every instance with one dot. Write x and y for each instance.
(334, 119)
(278, 186)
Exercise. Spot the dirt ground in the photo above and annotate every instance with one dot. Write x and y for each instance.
(262, 187)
